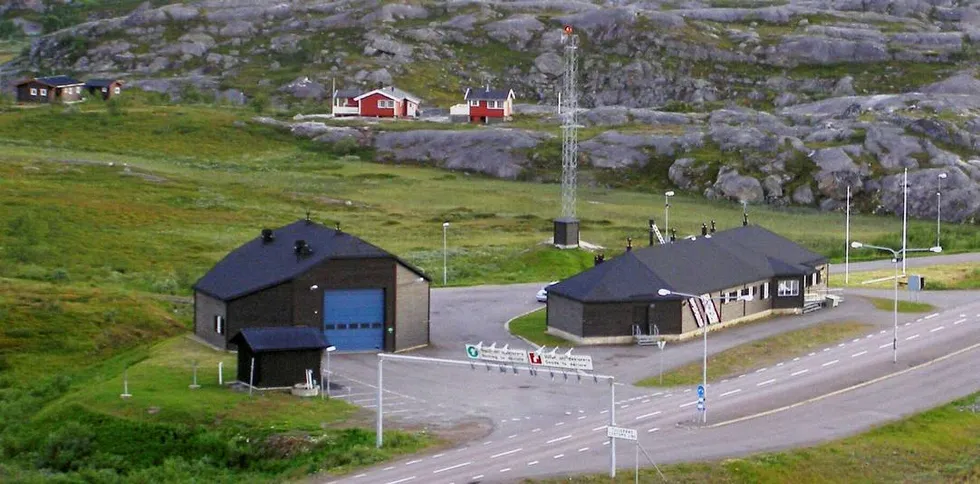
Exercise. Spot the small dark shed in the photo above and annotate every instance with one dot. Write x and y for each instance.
(282, 355)
(104, 87)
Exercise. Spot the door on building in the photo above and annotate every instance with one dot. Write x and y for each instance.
(353, 319)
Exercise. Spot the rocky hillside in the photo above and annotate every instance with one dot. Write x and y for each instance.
(785, 102)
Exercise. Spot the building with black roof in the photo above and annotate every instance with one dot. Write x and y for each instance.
(618, 298)
(278, 357)
(50, 89)
(305, 274)
(106, 88)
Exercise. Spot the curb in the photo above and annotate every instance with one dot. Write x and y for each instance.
(845, 390)
(507, 326)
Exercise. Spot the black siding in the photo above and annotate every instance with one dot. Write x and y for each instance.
(564, 314)
(787, 302)
(617, 319)
(267, 308)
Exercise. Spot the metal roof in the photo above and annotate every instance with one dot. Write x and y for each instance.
(346, 93)
(483, 93)
(393, 93)
(258, 264)
(286, 338)
(100, 82)
(706, 264)
(59, 81)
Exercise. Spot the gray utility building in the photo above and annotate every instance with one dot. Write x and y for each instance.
(306, 274)
(618, 299)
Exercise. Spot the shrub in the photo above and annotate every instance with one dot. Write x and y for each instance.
(67, 448)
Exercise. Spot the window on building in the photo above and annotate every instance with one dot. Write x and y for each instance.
(219, 324)
(33, 91)
(765, 291)
(788, 287)
(105, 89)
(474, 103)
(44, 92)
(388, 103)
(743, 293)
(116, 90)
(494, 105)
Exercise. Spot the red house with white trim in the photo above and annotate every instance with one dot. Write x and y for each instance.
(388, 102)
(344, 103)
(484, 105)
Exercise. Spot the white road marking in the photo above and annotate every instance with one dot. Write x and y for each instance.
(958, 322)
(624, 406)
(938, 328)
(908, 324)
(388, 468)
(511, 436)
(416, 461)
(885, 345)
(811, 354)
(583, 449)
(688, 404)
(533, 462)
(780, 364)
(568, 413)
(580, 418)
(855, 340)
(605, 443)
(760, 370)
(559, 439)
(488, 442)
(933, 315)
(826, 349)
(604, 411)
(457, 466)
(515, 420)
(796, 359)
(646, 401)
(559, 456)
(882, 332)
(505, 469)
(535, 430)
(599, 428)
(840, 345)
(741, 376)
(830, 363)
(859, 353)
(658, 393)
(795, 373)
(401, 480)
(477, 477)
(440, 455)
(730, 393)
(653, 430)
(962, 315)
(912, 337)
(359, 475)
(771, 380)
(509, 452)
(869, 336)
(559, 424)
(687, 391)
(583, 411)
(648, 415)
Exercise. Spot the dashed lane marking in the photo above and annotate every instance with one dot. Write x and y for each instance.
(826, 349)
(646, 401)
(401, 480)
(599, 428)
(580, 418)
(559, 439)
(509, 452)
(457, 466)
(760, 370)
(884, 345)
(840, 345)
(605, 443)
(796, 373)
(583, 449)
(796, 359)
(811, 354)
(780, 364)
(604, 411)
(653, 430)
(687, 404)
(559, 456)
(833, 362)
(908, 324)
(559, 424)
(648, 415)
(511, 436)
(533, 462)
(388, 468)
(937, 328)
(730, 392)
(958, 322)
(933, 315)
(535, 430)
(687, 391)
(477, 477)
(359, 476)
(882, 332)
(771, 380)
(912, 337)
(859, 353)
(416, 461)
(855, 340)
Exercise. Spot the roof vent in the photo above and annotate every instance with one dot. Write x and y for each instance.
(599, 259)
(338, 229)
(745, 219)
(673, 235)
(268, 236)
(629, 244)
(712, 226)
(301, 248)
(704, 230)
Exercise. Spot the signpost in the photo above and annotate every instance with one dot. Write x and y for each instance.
(492, 353)
(701, 406)
(661, 344)
(559, 360)
(627, 434)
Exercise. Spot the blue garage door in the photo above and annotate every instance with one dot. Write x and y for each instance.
(353, 320)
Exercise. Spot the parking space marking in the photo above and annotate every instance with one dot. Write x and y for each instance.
(648, 415)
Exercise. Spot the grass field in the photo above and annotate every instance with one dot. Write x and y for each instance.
(904, 306)
(532, 327)
(941, 445)
(759, 353)
(938, 277)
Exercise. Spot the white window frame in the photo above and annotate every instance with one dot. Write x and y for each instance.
(105, 90)
(219, 324)
(765, 291)
(33, 91)
(495, 105)
(44, 92)
(474, 103)
(788, 288)
(386, 104)
(116, 90)
(814, 283)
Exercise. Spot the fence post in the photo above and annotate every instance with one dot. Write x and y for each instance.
(194, 385)
(125, 393)
(221, 373)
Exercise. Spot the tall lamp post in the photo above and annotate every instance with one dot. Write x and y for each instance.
(939, 206)
(704, 369)
(896, 259)
(329, 349)
(667, 210)
(445, 225)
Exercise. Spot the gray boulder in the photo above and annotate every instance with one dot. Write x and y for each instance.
(962, 83)
(683, 171)
(731, 138)
(382, 44)
(305, 88)
(231, 96)
(961, 195)
(772, 185)
(844, 87)
(612, 149)
(516, 32)
(737, 187)
(380, 76)
(237, 28)
(893, 148)
(834, 184)
(823, 50)
(503, 153)
(549, 64)
(833, 159)
(336, 134)
(803, 195)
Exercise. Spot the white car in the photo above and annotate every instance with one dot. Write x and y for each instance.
(542, 295)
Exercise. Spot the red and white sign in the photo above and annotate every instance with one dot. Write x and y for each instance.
(560, 360)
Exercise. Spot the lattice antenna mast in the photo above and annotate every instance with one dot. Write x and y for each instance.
(568, 110)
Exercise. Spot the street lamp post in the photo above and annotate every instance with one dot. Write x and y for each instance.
(939, 206)
(896, 259)
(445, 225)
(667, 210)
(330, 349)
(704, 368)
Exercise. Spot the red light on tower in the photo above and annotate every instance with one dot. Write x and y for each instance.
(568, 30)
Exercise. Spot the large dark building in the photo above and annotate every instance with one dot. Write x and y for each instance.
(618, 299)
(306, 274)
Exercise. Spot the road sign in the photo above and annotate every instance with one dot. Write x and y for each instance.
(700, 399)
(500, 355)
(701, 391)
(661, 344)
(621, 433)
(560, 360)
(701, 406)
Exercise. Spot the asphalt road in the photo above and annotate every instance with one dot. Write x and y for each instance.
(879, 265)
(544, 426)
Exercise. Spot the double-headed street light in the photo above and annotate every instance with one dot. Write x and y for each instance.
(704, 369)
(667, 210)
(939, 205)
(898, 256)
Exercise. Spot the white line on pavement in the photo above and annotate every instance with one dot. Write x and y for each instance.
(505, 469)
(416, 461)
(687, 404)
(811, 354)
(648, 415)
(826, 349)
(580, 418)
(533, 462)
(916, 335)
(742, 376)
(359, 475)
(938, 328)
(598, 428)
(646, 401)
(908, 324)
(933, 315)
(725, 380)
(604, 411)
(882, 332)
(605, 443)
(388, 468)
(477, 477)
(535, 430)
(840, 345)
(559, 424)
(440, 455)
(401, 480)
(687, 391)
(558, 439)
(855, 340)
(509, 452)
(457, 466)
(624, 406)
(869, 336)
(859, 353)
(583, 449)
(515, 420)
(559, 456)
(780, 364)
(771, 380)
(799, 372)
(511, 436)
(760, 370)
(730, 392)
(796, 359)
(830, 363)
(958, 321)
(653, 430)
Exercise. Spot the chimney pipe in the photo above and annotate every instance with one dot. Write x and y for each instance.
(651, 231)
(704, 230)
(308, 221)
(745, 219)
(712, 226)
(673, 235)
(629, 244)
(267, 236)
(338, 227)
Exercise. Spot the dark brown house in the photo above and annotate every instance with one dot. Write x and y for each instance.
(107, 88)
(305, 274)
(281, 356)
(619, 298)
(50, 90)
